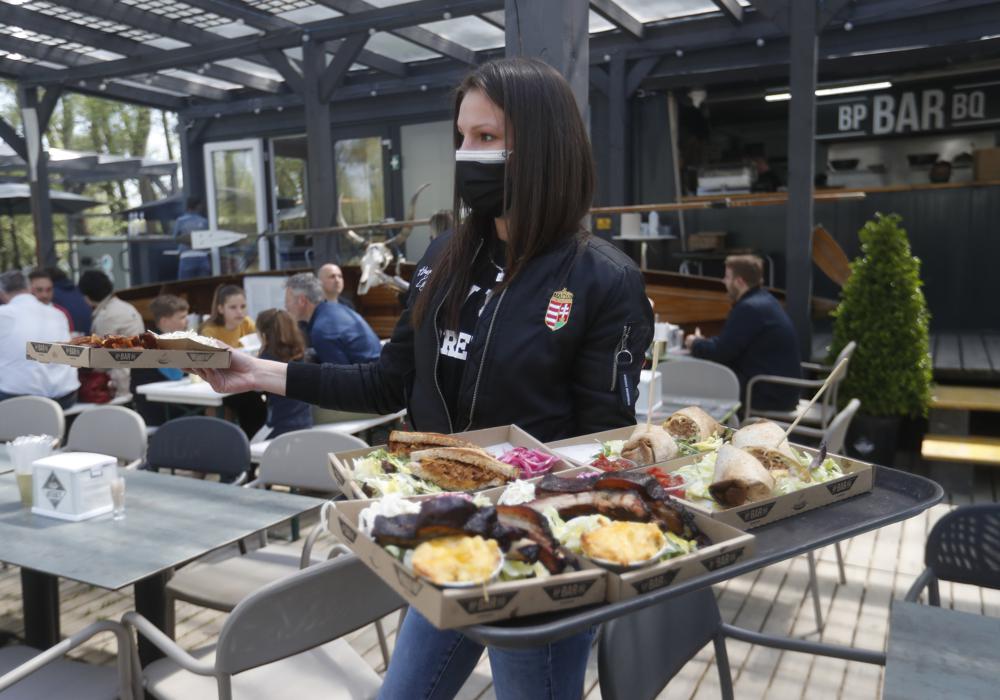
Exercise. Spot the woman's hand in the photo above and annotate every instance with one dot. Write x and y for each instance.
(240, 377)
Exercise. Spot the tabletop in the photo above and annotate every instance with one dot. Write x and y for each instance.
(185, 391)
(169, 520)
(896, 496)
(347, 427)
(960, 662)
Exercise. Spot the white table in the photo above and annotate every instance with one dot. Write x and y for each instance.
(347, 427)
(182, 391)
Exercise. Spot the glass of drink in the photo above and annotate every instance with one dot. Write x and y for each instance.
(24, 485)
(118, 498)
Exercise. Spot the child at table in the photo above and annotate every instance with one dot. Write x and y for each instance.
(282, 340)
(170, 314)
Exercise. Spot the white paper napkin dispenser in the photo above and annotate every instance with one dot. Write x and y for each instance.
(73, 485)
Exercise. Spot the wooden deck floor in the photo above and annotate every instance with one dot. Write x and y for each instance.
(880, 566)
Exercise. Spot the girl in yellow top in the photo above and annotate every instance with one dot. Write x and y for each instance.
(229, 321)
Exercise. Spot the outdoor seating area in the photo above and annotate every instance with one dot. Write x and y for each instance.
(622, 349)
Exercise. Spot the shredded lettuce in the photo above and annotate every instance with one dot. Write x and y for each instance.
(611, 449)
(569, 532)
(369, 472)
(517, 570)
(516, 493)
(687, 448)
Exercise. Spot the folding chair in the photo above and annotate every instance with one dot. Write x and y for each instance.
(31, 415)
(110, 430)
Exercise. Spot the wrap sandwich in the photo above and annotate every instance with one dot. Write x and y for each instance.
(649, 444)
(767, 442)
(739, 478)
(692, 423)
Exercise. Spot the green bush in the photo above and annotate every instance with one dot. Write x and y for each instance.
(882, 307)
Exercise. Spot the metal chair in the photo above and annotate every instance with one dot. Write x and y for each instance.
(817, 419)
(701, 379)
(201, 444)
(282, 641)
(300, 460)
(110, 430)
(29, 674)
(963, 547)
(639, 653)
(31, 415)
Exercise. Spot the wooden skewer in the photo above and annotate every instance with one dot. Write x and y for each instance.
(833, 375)
(656, 360)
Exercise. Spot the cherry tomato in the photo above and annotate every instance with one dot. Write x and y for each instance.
(607, 464)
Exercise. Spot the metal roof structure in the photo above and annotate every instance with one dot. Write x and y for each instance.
(224, 62)
(230, 55)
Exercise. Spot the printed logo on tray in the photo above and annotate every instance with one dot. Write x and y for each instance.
(568, 591)
(408, 581)
(72, 350)
(349, 533)
(54, 491)
(125, 355)
(800, 504)
(755, 513)
(655, 582)
(199, 356)
(839, 487)
(41, 347)
(478, 604)
(722, 560)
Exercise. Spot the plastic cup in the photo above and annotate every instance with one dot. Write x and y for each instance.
(23, 452)
(117, 498)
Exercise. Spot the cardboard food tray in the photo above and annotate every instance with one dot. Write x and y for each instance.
(729, 545)
(496, 440)
(177, 354)
(458, 607)
(858, 478)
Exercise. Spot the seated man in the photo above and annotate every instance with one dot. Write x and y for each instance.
(23, 318)
(169, 315)
(112, 316)
(65, 293)
(758, 337)
(331, 277)
(42, 288)
(336, 333)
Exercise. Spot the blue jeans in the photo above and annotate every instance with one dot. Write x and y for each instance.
(192, 264)
(433, 664)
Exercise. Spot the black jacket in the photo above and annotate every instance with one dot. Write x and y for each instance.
(552, 383)
(758, 338)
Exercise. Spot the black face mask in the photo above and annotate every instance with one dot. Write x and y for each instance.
(480, 182)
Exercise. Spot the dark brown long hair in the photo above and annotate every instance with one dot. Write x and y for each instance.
(222, 293)
(550, 175)
(280, 335)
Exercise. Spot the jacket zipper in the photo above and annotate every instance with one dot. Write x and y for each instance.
(482, 361)
(437, 350)
(620, 348)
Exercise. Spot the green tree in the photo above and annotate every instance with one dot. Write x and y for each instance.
(883, 308)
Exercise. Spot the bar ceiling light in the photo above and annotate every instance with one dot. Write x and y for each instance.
(827, 92)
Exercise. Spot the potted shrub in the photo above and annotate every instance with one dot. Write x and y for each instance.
(883, 308)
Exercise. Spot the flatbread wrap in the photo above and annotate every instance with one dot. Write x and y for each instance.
(766, 441)
(739, 478)
(692, 423)
(649, 444)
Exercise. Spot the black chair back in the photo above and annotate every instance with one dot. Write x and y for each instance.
(201, 444)
(639, 653)
(964, 546)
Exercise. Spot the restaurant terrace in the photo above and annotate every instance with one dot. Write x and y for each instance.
(164, 534)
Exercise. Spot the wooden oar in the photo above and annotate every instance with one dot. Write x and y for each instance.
(830, 257)
(833, 375)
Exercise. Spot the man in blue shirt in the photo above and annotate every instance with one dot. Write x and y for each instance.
(757, 338)
(192, 263)
(336, 333)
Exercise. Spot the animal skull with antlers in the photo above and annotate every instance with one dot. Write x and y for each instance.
(377, 256)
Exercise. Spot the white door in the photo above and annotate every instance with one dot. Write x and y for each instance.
(234, 179)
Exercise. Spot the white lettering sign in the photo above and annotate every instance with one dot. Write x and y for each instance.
(455, 345)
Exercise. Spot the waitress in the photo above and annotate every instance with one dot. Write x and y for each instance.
(518, 316)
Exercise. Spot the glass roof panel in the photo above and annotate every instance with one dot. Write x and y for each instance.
(85, 20)
(233, 30)
(657, 10)
(470, 32)
(309, 12)
(276, 7)
(398, 49)
(203, 79)
(179, 12)
(598, 23)
(250, 67)
(43, 39)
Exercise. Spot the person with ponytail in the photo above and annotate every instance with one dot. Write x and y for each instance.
(518, 315)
